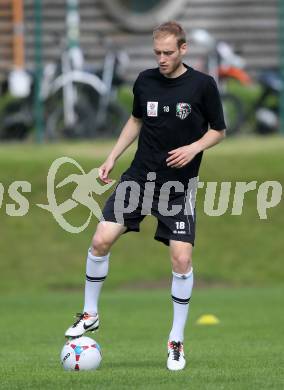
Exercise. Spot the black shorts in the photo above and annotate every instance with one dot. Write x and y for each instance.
(130, 207)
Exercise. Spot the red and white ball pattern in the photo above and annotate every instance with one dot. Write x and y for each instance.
(82, 353)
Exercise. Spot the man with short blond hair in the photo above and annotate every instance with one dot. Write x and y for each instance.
(177, 114)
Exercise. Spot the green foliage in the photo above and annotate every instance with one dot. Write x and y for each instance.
(247, 93)
(125, 97)
(5, 100)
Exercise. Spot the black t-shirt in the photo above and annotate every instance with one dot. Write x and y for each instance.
(174, 112)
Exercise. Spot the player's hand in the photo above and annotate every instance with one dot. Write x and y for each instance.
(182, 156)
(105, 169)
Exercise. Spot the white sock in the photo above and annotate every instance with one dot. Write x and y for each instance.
(96, 272)
(181, 292)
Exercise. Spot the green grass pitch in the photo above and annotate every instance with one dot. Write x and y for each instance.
(42, 279)
(244, 351)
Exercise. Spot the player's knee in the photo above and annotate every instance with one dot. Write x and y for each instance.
(100, 245)
(182, 263)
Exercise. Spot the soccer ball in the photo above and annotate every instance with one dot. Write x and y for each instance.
(82, 353)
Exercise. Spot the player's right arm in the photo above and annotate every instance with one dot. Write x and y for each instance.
(127, 136)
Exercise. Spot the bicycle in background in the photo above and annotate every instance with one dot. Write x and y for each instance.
(220, 61)
(81, 102)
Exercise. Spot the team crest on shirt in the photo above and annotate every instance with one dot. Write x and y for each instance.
(183, 110)
(152, 108)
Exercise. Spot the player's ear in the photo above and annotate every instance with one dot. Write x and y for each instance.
(183, 48)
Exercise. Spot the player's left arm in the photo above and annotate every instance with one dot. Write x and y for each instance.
(180, 157)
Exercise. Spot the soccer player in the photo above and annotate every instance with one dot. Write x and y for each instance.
(177, 114)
